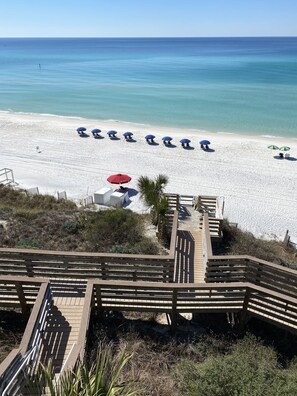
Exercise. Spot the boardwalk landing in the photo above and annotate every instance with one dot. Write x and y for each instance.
(64, 319)
(189, 266)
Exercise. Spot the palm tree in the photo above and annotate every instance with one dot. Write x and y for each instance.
(102, 379)
(152, 191)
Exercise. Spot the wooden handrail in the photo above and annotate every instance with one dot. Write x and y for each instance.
(22, 279)
(33, 318)
(165, 286)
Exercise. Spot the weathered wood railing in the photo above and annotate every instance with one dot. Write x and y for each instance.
(247, 269)
(169, 298)
(243, 297)
(173, 201)
(86, 265)
(256, 271)
(37, 324)
(19, 292)
(186, 200)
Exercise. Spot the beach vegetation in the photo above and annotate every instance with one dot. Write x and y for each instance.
(119, 230)
(204, 357)
(29, 243)
(103, 378)
(152, 191)
(71, 226)
(43, 222)
(17, 199)
(238, 242)
(248, 368)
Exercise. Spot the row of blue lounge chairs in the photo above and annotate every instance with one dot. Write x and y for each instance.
(128, 136)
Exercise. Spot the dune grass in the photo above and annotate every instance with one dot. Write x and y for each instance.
(238, 242)
(205, 357)
(43, 222)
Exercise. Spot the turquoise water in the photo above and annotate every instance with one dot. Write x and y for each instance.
(243, 85)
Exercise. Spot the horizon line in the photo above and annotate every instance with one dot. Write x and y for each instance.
(138, 37)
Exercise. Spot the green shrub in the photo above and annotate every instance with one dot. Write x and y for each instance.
(29, 243)
(114, 227)
(120, 249)
(7, 210)
(145, 246)
(249, 369)
(71, 227)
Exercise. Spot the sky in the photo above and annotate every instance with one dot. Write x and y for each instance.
(147, 18)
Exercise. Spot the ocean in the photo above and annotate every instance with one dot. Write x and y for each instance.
(232, 85)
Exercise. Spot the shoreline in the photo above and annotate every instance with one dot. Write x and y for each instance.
(149, 126)
(260, 191)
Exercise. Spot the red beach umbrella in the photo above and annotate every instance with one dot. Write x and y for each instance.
(119, 178)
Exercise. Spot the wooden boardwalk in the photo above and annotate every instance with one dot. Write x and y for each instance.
(59, 320)
(199, 271)
(63, 323)
(189, 265)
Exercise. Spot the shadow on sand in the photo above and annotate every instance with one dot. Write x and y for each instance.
(279, 157)
(169, 145)
(291, 159)
(131, 193)
(130, 140)
(153, 143)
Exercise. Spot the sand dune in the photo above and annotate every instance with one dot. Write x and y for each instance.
(260, 191)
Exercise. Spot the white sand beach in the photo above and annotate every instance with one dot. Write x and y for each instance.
(260, 191)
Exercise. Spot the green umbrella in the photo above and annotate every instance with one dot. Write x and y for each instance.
(273, 147)
(285, 148)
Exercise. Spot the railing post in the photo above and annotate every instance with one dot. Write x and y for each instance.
(103, 270)
(29, 267)
(243, 319)
(173, 314)
(258, 276)
(22, 299)
(99, 301)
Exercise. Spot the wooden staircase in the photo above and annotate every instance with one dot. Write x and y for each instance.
(63, 322)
